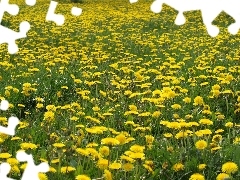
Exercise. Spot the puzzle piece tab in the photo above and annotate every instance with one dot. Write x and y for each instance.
(51, 16)
(12, 121)
(133, 1)
(4, 105)
(58, 18)
(76, 11)
(12, 9)
(4, 170)
(7, 35)
(31, 171)
(12, 124)
(30, 2)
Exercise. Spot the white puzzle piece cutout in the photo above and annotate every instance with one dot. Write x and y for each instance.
(7, 35)
(10, 130)
(133, 1)
(51, 16)
(76, 11)
(210, 9)
(4, 105)
(58, 18)
(12, 121)
(12, 124)
(30, 2)
(31, 171)
(4, 170)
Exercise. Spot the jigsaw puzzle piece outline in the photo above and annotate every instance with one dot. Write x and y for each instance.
(9, 36)
(12, 9)
(4, 105)
(209, 10)
(12, 124)
(31, 171)
(30, 2)
(51, 16)
(4, 171)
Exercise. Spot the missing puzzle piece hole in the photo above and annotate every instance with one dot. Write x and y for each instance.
(12, 48)
(233, 28)
(180, 19)
(24, 27)
(213, 30)
(5, 168)
(156, 6)
(13, 9)
(4, 105)
(31, 2)
(133, 1)
(76, 11)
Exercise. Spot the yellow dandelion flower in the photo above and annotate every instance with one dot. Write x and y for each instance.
(127, 158)
(15, 169)
(176, 106)
(58, 145)
(205, 122)
(222, 176)
(178, 167)
(198, 101)
(52, 169)
(115, 165)
(54, 161)
(229, 167)
(110, 141)
(217, 138)
(12, 161)
(149, 168)
(102, 164)
(137, 148)
(167, 135)
(49, 116)
(67, 169)
(42, 176)
(149, 139)
(104, 150)
(5, 155)
(127, 167)
(82, 177)
(201, 144)
(137, 155)
(26, 146)
(215, 148)
(201, 166)
(107, 175)
(229, 124)
(156, 114)
(51, 108)
(187, 100)
(121, 138)
(197, 176)
(219, 131)
(83, 152)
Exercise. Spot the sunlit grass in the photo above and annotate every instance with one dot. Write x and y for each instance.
(122, 93)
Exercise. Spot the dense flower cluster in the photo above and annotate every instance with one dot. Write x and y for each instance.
(122, 93)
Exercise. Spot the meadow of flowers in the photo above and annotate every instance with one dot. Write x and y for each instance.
(122, 93)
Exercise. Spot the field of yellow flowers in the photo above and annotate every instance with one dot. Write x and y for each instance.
(122, 93)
